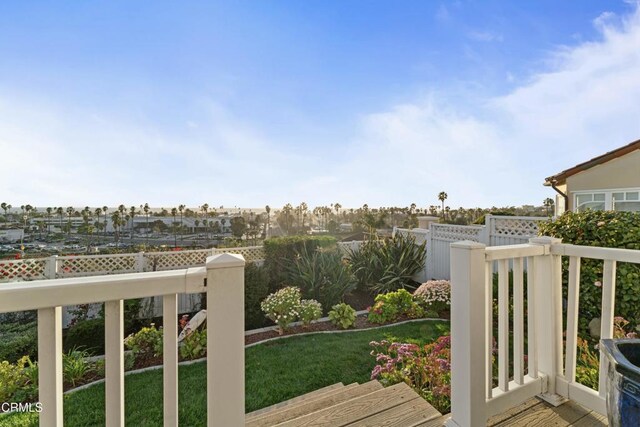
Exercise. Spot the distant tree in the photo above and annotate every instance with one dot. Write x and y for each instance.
(442, 196)
(548, 204)
(238, 226)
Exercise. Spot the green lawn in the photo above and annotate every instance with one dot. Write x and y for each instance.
(275, 371)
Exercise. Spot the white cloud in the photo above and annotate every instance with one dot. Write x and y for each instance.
(585, 105)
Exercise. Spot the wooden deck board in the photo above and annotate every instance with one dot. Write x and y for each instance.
(407, 414)
(357, 409)
(308, 396)
(309, 406)
(545, 415)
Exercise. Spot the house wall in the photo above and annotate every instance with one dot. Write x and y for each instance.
(623, 172)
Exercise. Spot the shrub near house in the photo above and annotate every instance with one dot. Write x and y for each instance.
(607, 229)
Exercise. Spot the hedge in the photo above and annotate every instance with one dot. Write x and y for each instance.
(605, 229)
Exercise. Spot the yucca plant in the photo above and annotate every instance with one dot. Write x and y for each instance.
(386, 265)
(321, 274)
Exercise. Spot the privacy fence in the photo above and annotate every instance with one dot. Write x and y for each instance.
(497, 231)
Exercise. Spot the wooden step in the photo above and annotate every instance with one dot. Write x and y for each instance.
(322, 401)
(356, 409)
(413, 412)
(308, 396)
(436, 422)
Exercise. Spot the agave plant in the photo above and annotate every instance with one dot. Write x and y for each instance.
(386, 265)
(321, 274)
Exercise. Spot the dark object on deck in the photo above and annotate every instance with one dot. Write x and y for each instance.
(623, 381)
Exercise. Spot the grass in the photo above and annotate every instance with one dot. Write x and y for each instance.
(275, 371)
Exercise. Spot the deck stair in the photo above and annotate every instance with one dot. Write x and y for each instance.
(362, 405)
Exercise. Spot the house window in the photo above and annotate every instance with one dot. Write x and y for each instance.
(628, 201)
(617, 200)
(595, 201)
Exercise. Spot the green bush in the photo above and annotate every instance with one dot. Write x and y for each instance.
(147, 342)
(387, 265)
(388, 307)
(605, 229)
(194, 346)
(321, 274)
(279, 251)
(18, 340)
(342, 315)
(256, 289)
(88, 334)
(75, 366)
(18, 381)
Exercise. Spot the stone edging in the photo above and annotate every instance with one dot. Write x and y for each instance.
(255, 331)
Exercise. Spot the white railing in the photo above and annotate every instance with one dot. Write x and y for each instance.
(223, 281)
(474, 398)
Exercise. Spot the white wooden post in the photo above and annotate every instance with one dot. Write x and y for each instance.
(140, 262)
(50, 366)
(51, 267)
(429, 249)
(225, 340)
(170, 359)
(114, 362)
(468, 318)
(547, 286)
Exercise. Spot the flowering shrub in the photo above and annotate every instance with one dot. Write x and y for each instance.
(342, 315)
(388, 307)
(282, 307)
(620, 328)
(18, 382)
(435, 295)
(587, 364)
(146, 342)
(309, 311)
(426, 369)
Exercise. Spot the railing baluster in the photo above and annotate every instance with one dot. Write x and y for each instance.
(608, 302)
(488, 280)
(114, 363)
(518, 321)
(50, 366)
(532, 353)
(572, 318)
(503, 324)
(170, 356)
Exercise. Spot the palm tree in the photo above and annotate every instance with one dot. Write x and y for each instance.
(146, 210)
(70, 212)
(442, 196)
(132, 215)
(174, 213)
(548, 203)
(181, 209)
(268, 223)
(104, 210)
(49, 212)
(204, 208)
(97, 212)
(5, 207)
(116, 219)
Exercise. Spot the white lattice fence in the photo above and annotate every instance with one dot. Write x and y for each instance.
(22, 270)
(159, 261)
(441, 237)
(96, 265)
(353, 245)
(512, 230)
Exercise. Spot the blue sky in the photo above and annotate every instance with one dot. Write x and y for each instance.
(266, 102)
